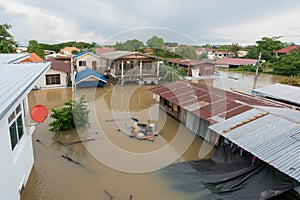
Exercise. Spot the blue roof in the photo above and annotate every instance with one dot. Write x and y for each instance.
(84, 53)
(80, 54)
(87, 73)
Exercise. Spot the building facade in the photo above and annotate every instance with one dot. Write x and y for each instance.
(16, 81)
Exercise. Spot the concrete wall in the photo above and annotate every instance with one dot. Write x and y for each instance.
(89, 60)
(63, 80)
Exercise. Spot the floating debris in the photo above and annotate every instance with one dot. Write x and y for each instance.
(110, 195)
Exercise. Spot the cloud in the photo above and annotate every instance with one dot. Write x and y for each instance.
(201, 21)
(279, 24)
(29, 22)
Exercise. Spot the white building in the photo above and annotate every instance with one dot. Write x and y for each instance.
(16, 81)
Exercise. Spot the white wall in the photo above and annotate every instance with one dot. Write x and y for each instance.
(63, 80)
(15, 164)
(89, 59)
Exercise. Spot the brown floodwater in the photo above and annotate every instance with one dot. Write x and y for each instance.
(110, 160)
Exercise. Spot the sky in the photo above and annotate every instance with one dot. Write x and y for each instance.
(192, 22)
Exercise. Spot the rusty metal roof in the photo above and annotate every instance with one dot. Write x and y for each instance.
(208, 102)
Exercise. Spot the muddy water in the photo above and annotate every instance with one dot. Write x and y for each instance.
(111, 160)
(244, 81)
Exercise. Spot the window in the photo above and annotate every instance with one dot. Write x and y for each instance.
(53, 79)
(82, 63)
(16, 131)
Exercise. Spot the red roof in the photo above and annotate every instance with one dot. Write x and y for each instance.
(208, 102)
(69, 49)
(33, 57)
(104, 50)
(286, 49)
(61, 65)
(236, 61)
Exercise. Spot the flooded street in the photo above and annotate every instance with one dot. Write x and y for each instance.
(110, 160)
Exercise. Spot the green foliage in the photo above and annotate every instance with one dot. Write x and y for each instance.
(235, 48)
(293, 80)
(266, 46)
(162, 53)
(155, 42)
(59, 46)
(73, 114)
(129, 45)
(171, 44)
(287, 64)
(247, 68)
(186, 51)
(35, 47)
(7, 43)
(170, 73)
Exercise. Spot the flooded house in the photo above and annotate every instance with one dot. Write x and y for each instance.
(198, 106)
(194, 68)
(17, 80)
(127, 67)
(58, 76)
(266, 129)
(235, 62)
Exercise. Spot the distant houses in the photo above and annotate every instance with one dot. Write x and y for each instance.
(286, 50)
(194, 68)
(126, 66)
(69, 50)
(17, 80)
(235, 62)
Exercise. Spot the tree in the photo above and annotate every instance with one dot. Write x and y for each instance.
(73, 114)
(186, 51)
(162, 53)
(266, 46)
(35, 47)
(171, 44)
(7, 43)
(287, 64)
(129, 45)
(235, 48)
(155, 42)
(170, 73)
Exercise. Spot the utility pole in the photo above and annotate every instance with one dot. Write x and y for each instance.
(256, 73)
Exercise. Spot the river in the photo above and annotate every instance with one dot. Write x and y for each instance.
(110, 162)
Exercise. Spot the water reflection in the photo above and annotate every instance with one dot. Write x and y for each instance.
(54, 177)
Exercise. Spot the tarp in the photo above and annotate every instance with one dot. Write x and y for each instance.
(228, 175)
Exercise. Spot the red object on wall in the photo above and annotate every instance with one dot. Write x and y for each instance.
(39, 113)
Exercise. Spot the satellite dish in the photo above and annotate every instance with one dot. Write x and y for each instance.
(39, 113)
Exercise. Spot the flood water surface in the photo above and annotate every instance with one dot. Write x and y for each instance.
(110, 162)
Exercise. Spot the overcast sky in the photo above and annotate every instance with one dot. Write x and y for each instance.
(185, 21)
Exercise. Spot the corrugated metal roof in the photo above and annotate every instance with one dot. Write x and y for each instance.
(16, 80)
(120, 54)
(13, 57)
(272, 138)
(208, 102)
(286, 93)
(236, 61)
